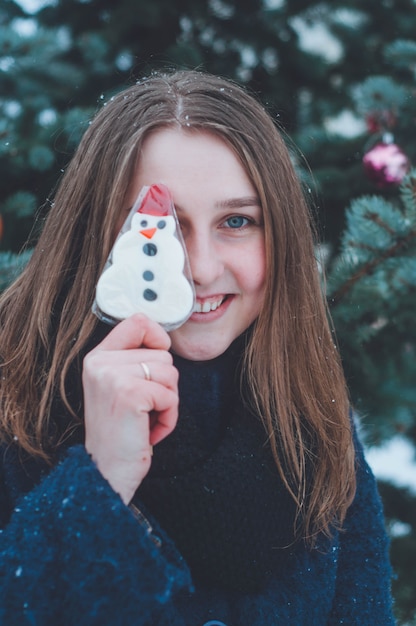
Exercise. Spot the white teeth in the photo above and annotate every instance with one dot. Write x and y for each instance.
(206, 307)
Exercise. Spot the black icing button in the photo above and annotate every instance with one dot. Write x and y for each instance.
(149, 294)
(150, 249)
(148, 275)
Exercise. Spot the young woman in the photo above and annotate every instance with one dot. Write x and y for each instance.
(256, 505)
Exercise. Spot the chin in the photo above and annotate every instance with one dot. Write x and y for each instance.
(199, 350)
(198, 353)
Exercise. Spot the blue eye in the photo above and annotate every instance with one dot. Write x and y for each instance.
(237, 221)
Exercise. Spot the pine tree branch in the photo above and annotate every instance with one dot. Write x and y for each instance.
(374, 217)
(368, 268)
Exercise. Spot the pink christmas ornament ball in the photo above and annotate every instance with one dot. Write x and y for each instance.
(386, 164)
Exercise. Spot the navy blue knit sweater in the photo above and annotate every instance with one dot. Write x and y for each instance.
(71, 553)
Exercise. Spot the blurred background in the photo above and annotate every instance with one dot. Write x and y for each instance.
(340, 78)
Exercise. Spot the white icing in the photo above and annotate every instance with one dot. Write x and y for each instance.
(121, 286)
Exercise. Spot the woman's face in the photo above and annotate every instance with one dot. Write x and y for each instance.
(222, 225)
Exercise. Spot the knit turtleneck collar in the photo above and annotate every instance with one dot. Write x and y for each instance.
(213, 484)
(207, 392)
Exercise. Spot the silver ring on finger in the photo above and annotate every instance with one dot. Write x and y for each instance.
(146, 370)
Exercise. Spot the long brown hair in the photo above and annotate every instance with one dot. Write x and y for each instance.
(292, 366)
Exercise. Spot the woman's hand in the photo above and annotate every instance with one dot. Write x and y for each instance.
(126, 414)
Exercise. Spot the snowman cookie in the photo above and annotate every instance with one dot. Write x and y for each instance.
(148, 269)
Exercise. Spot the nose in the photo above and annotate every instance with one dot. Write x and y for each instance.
(205, 258)
(148, 232)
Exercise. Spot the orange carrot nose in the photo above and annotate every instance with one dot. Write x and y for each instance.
(148, 232)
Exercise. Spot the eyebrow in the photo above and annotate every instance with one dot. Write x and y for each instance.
(237, 203)
(231, 203)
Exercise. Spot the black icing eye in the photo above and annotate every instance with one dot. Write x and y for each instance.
(149, 294)
(143, 223)
(148, 275)
(161, 224)
(150, 249)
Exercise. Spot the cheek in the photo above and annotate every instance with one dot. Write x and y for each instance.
(252, 272)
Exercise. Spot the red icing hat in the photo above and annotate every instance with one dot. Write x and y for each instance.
(156, 201)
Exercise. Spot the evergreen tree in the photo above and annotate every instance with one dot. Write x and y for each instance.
(339, 76)
(372, 290)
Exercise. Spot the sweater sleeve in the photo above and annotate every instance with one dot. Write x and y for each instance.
(73, 553)
(363, 587)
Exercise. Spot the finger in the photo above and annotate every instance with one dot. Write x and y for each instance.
(161, 412)
(157, 372)
(108, 371)
(115, 358)
(134, 332)
(142, 404)
(163, 425)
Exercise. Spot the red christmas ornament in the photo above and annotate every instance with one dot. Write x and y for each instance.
(386, 164)
(379, 121)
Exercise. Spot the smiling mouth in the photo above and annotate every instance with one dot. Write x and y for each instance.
(206, 306)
